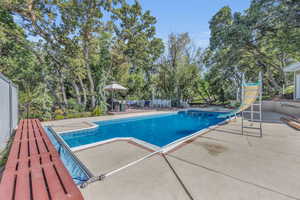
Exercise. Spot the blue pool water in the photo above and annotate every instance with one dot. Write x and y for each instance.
(158, 130)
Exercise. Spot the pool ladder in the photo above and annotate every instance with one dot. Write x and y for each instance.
(253, 112)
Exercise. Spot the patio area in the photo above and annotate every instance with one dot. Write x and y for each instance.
(222, 164)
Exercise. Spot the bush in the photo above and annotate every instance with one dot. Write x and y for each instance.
(4, 154)
(72, 104)
(72, 115)
(85, 114)
(58, 117)
(226, 102)
(97, 111)
(266, 97)
(237, 104)
(78, 115)
(58, 112)
(289, 90)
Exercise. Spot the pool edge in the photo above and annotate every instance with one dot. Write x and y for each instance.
(165, 149)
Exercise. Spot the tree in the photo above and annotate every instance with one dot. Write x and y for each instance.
(261, 39)
(180, 68)
(75, 51)
(135, 39)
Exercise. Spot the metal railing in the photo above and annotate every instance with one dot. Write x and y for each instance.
(8, 109)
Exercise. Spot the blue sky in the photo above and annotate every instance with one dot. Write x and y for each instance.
(180, 16)
(188, 16)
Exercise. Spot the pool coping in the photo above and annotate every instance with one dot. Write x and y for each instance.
(164, 149)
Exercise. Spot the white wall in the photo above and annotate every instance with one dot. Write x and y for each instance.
(284, 107)
(8, 109)
(296, 85)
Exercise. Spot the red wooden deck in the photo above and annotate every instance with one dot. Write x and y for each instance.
(34, 170)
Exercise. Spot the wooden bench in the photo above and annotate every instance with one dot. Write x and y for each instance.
(34, 170)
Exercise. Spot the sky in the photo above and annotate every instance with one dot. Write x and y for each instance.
(179, 16)
(190, 16)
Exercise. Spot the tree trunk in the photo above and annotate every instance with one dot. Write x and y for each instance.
(92, 87)
(89, 73)
(273, 81)
(63, 90)
(77, 92)
(83, 91)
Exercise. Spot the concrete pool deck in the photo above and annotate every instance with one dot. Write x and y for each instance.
(222, 164)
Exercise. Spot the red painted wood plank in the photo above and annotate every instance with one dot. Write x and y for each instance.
(13, 154)
(55, 187)
(7, 184)
(38, 164)
(41, 145)
(33, 149)
(25, 130)
(19, 130)
(39, 190)
(23, 164)
(50, 146)
(36, 129)
(24, 149)
(31, 133)
(71, 189)
(22, 185)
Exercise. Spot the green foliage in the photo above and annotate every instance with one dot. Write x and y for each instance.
(289, 90)
(59, 112)
(36, 103)
(97, 111)
(266, 97)
(179, 71)
(85, 114)
(237, 104)
(5, 152)
(74, 105)
(59, 117)
(75, 54)
(263, 38)
(77, 115)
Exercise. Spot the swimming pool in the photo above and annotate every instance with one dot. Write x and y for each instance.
(158, 130)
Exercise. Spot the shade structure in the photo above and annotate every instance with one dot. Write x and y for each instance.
(292, 68)
(114, 86)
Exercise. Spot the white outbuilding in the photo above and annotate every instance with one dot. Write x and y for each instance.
(296, 69)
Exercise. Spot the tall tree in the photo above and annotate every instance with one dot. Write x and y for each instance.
(135, 39)
(260, 39)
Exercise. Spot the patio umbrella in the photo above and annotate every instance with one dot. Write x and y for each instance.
(114, 87)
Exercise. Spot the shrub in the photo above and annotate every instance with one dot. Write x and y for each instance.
(85, 114)
(73, 105)
(289, 90)
(58, 117)
(58, 112)
(237, 104)
(72, 115)
(266, 97)
(4, 154)
(97, 111)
